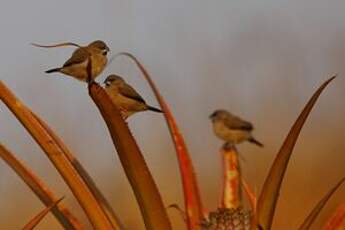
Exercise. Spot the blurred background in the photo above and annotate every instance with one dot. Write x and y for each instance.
(260, 60)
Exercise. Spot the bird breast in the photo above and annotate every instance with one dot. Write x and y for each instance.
(98, 62)
(234, 136)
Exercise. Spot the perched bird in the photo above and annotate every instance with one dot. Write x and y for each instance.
(125, 97)
(77, 65)
(232, 129)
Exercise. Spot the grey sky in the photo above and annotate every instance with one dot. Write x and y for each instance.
(259, 59)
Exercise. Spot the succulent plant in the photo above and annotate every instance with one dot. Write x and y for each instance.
(230, 215)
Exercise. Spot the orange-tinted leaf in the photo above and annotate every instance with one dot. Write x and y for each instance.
(337, 220)
(252, 201)
(180, 211)
(55, 153)
(250, 194)
(85, 176)
(191, 192)
(62, 214)
(270, 191)
(231, 192)
(133, 162)
(37, 219)
(317, 209)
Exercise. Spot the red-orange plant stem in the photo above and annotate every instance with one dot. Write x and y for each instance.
(231, 192)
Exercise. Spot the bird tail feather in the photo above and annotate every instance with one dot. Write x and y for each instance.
(151, 108)
(254, 141)
(53, 70)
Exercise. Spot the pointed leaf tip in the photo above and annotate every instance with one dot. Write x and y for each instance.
(270, 191)
(56, 154)
(317, 209)
(42, 191)
(133, 162)
(192, 199)
(37, 219)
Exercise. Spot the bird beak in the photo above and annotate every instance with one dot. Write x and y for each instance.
(211, 116)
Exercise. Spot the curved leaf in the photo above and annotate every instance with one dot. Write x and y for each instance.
(133, 162)
(37, 219)
(252, 201)
(270, 191)
(85, 176)
(192, 200)
(62, 214)
(250, 195)
(56, 45)
(317, 209)
(54, 152)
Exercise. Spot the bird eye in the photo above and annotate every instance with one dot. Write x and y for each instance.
(104, 52)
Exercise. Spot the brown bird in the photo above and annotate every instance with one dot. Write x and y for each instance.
(231, 128)
(125, 97)
(77, 65)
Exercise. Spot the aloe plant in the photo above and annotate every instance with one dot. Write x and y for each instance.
(263, 211)
(231, 213)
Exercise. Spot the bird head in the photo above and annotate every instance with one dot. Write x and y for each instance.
(113, 79)
(101, 46)
(219, 115)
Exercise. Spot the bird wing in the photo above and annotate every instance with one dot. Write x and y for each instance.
(234, 122)
(129, 92)
(79, 55)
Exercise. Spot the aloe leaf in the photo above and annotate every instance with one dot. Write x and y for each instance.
(317, 209)
(250, 195)
(37, 219)
(133, 162)
(55, 153)
(192, 200)
(62, 214)
(270, 191)
(85, 176)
